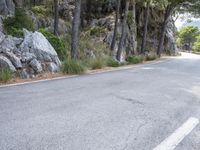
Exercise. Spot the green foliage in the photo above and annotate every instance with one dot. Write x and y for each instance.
(5, 75)
(135, 59)
(98, 63)
(14, 25)
(196, 46)
(87, 43)
(130, 18)
(97, 31)
(72, 67)
(41, 10)
(57, 43)
(187, 35)
(112, 63)
(151, 57)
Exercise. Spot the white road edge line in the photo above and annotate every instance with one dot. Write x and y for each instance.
(175, 138)
(72, 76)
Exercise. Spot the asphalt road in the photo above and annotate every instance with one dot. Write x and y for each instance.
(132, 109)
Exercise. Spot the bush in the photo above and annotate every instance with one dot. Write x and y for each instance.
(196, 47)
(151, 57)
(41, 10)
(97, 63)
(112, 63)
(72, 67)
(135, 59)
(5, 75)
(97, 31)
(14, 25)
(56, 42)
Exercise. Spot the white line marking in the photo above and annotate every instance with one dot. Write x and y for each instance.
(92, 73)
(173, 140)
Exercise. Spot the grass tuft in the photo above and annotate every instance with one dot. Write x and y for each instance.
(151, 57)
(97, 63)
(135, 59)
(112, 63)
(5, 75)
(72, 67)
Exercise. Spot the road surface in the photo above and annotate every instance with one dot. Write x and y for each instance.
(132, 109)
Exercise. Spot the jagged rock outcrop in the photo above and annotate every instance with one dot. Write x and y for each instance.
(28, 56)
(7, 7)
(6, 63)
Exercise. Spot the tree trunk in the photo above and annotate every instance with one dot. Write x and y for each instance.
(134, 33)
(75, 29)
(146, 20)
(163, 29)
(123, 36)
(56, 17)
(116, 25)
(34, 3)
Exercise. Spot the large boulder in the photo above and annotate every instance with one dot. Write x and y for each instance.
(28, 56)
(36, 65)
(9, 43)
(1, 23)
(7, 7)
(38, 45)
(2, 37)
(14, 59)
(6, 63)
(52, 67)
(23, 74)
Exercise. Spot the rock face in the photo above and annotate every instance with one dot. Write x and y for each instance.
(28, 56)
(36, 44)
(6, 63)
(7, 7)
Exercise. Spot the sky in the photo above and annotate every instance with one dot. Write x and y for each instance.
(183, 21)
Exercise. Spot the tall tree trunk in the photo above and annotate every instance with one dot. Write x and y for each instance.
(116, 25)
(146, 20)
(56, 17)
(34, 2)
(75, 29)
(134, 33)
(123, 36)
(163, 30)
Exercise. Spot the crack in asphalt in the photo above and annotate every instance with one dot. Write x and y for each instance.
(133, 101)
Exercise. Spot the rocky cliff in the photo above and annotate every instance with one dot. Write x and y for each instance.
(27, 56)
(33, 54)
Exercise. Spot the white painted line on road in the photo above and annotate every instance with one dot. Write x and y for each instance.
(173, 140)
(38, 81)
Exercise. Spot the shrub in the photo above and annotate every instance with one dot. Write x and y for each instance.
(135, 59)
(112, 63)
(98, 48)
(97, 31)
(196, 46)
(5, 75)
(41, 10)
(151, 57)
(97, 63)
(56, 42)
(14, 25)
(72, 67)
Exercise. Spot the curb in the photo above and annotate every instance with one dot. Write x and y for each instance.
(89, 73)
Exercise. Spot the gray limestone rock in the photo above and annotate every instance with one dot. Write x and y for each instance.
(36, 65)
(6, 63)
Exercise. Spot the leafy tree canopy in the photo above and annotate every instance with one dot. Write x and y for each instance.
(187, 35)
